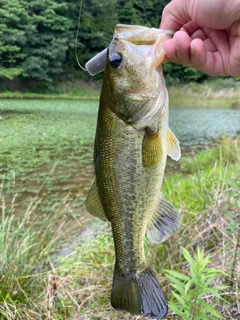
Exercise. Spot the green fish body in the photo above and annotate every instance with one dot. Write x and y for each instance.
(131, 146)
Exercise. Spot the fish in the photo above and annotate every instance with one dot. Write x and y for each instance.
(132, 142)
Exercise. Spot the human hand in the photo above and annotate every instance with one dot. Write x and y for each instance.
(209, 35)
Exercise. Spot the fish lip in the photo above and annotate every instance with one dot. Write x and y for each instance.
(97, 63)
(139, 29)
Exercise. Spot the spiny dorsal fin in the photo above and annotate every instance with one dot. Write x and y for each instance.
(165, 223)
(93, 203)
(173, 147)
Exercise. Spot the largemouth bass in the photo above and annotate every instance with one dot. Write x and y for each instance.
(132, 142)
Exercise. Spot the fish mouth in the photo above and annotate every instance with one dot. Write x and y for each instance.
(139, 34)
(134, 34)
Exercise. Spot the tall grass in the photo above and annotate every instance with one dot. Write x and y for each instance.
(39, 281)
(214, 93)
(26, 249)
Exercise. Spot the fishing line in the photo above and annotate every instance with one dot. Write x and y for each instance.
(77, 34)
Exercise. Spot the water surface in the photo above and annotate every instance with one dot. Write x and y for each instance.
(198, 126)
(46, 149)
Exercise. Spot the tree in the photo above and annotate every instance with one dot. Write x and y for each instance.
(158, 6)
(97, 23)
(183, 73)
(126, 12)
(47, 40)
(34, 38)
(13, 22)
(37, 37)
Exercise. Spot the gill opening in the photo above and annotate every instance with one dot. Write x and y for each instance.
(77, 34)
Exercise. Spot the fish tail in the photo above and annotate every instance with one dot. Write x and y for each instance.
(139, 294)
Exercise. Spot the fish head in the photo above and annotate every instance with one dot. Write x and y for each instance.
(134, 73)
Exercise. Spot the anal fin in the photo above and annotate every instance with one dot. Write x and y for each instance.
(165, 222)
(93, 203)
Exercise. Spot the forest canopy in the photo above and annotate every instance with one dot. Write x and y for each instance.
(37, 38)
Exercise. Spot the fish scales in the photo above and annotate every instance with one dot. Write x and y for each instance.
(124, 180)
(131, 146)
(123, 167)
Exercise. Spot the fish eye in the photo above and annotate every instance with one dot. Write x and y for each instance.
(116, 60)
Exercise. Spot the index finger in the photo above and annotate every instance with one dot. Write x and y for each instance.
(174, 16)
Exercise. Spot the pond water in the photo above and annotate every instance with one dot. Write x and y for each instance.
(46, 149)
(198, 126)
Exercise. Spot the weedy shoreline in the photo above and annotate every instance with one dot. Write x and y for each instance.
(38, 284)
(215, 93)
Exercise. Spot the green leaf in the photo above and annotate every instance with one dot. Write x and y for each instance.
(234, 185)
(187, 256)
(189, 304)
(184, 315)
(210, 309)
(179, 299)
(177, 285)
(188, 285)
(215, 293)
(192, 294)
(202, 315)
(177, 275)
(213, 271)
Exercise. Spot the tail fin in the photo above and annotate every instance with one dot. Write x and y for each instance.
(139, 294)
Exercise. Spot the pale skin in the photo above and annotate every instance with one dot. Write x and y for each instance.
(207, 35)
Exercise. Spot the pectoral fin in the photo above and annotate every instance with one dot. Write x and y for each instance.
(152, 150)
(173, 147)
(93, 203)
(165, 223)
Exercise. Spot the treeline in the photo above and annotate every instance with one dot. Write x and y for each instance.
(37, 37)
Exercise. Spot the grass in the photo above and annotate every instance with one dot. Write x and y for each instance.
(215, 93)
(62, 90)
(41, 281)
(218, 93)
(47, 271)
(71, 95)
